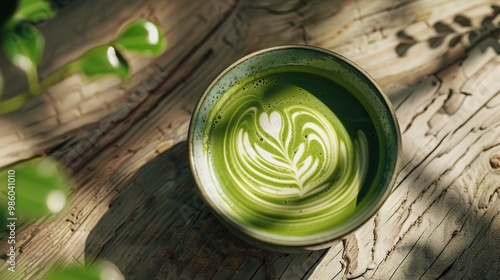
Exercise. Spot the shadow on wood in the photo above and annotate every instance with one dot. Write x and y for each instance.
(159, 227)
(466, 236)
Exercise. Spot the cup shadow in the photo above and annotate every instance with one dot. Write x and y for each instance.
(159, 228)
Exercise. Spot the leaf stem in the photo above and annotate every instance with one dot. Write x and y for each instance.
(59, 75)
(36, 88)
(13, 104)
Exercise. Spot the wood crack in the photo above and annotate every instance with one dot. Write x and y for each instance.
(311, 268)
(406, 256)
(423, 160)
(442, 250)
(446, 270)
(294, 9)
(478, 235)
(419, 113)
(474, 113)
(391, 9)
(257, 270)
(376, 220)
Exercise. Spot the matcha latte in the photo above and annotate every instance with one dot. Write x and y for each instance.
(293, 146)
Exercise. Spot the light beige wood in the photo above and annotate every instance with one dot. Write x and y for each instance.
(134, 201)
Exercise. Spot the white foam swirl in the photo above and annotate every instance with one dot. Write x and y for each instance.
(304, 172)
(294, 166)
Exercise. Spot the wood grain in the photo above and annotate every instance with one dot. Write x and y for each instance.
(135, 202)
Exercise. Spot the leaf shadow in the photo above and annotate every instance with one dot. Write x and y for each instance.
(468, 34)
(467, 239)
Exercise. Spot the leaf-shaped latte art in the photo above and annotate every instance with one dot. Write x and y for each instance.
(280, 156)
(296, 171)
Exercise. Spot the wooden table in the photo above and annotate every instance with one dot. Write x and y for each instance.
(134, 201)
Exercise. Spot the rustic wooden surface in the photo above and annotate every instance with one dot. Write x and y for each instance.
(134, 201)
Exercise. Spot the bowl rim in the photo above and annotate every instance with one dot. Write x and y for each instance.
(389, 186)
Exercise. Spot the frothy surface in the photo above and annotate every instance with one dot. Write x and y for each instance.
(291, 152)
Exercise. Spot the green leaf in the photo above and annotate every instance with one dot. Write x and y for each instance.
(34, 11)
(144, 37)
(23, 45)
(1, 85)
(75, 273)
(39, 187)
(104, 60)
(102, 270)
(3, 213)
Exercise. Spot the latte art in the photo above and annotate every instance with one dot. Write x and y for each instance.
(285, 167)
(285, 159)
(287, 170)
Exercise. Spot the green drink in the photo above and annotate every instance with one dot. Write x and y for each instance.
(292, 147)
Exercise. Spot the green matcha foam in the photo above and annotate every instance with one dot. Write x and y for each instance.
(282, 156)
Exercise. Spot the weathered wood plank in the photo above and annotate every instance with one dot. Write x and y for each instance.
(135, 203)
